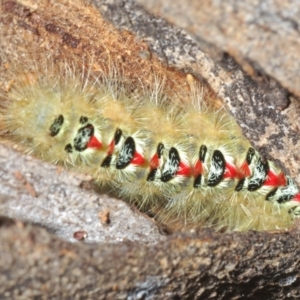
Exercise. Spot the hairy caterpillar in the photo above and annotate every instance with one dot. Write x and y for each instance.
(188, 165)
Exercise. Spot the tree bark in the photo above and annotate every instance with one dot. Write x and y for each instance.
(256, 265)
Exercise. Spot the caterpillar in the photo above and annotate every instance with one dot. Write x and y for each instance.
(186, 164)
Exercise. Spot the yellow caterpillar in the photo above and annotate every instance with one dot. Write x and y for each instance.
(189, 165)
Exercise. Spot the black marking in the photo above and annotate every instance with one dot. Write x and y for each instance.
(259, 176)
(217, 168)
(250, 155)
(151, 175)
(107, 161)
(283, 194)
(83, 137)
(69, 148)
(271, 194)
(83, 120)
(197, 182)
(117, 136)
(202, 153)
(240, 185)
(126, 154)
(171, 165)
(160, 150)
(284, 198)
(56, 125)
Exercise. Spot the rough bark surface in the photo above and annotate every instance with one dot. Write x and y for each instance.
(38, 265)
(35, 264)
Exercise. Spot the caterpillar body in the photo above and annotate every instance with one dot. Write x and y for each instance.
(189, 165)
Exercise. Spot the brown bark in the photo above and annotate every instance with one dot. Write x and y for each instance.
(36, 264)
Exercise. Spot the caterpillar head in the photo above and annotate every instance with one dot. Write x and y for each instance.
(53, 121)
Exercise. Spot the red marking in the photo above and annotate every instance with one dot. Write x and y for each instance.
(94, 143)
(184, 170)
(230, 172)
(138, 159)
(111, 148)
(198, 168)
(154, 162)
(275, 180)
(244, 170)
(297, 197)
